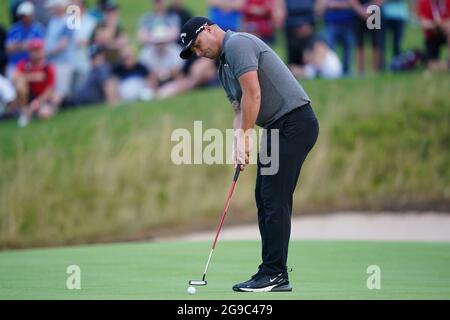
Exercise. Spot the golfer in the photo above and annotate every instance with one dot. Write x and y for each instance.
(262, 91)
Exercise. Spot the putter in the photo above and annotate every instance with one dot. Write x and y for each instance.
(203, 282)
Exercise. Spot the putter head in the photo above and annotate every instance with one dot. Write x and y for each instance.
(197, 282)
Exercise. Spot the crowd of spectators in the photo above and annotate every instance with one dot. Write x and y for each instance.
(45, 64)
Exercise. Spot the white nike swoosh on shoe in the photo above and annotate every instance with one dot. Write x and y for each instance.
(272, 280)
(265, 289)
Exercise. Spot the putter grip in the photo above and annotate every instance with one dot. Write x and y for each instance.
(236, 174)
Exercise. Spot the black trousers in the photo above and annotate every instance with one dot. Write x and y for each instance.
(298, 132)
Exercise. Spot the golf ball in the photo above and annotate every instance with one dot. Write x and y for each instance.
(191, 290)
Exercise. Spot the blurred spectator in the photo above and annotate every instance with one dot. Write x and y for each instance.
(434, 18)
(98, 86)
(7, 98)
(159, 18)
(339, 19)
(226, 14)
(200, 73)
(299, 28)
(3, 59)
(133, 80)
(396, 15)
(82, 38)
(184, 15)
(41, 14)
(12, 6)
(362, 31)
(158, 32)
(20, 34)
(110, 34)
(177, 7)
(34, 80)
(60, 46)
(321, 61)
(259, 18)
(162, 57)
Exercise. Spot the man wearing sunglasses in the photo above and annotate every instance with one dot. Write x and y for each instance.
(264, 92)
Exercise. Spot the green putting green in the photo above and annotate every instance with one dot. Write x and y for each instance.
(161, 270)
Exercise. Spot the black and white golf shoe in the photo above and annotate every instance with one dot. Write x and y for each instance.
(239, 285)
(265, 283)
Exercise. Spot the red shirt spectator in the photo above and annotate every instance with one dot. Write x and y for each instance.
(433, 10)
(258, 18)
(40, 77)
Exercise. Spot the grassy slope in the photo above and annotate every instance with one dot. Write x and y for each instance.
(100, 173)
(323, 270)
(105, 174)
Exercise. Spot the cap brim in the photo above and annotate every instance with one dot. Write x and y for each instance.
(186, 53)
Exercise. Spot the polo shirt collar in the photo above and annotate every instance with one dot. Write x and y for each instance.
(225, 39)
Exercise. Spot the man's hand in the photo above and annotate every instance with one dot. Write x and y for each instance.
(242, 146)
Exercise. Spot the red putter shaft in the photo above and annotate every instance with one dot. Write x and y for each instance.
(224, 212)
(230, 193)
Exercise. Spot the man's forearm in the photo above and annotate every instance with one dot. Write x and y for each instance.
(15, 47)
(250, 104)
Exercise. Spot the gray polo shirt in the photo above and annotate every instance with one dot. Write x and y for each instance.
(280, 91)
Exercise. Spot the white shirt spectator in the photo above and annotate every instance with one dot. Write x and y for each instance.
(7, 93)
(162, 57)
(82, 37)
(62, 57)
(329, 68)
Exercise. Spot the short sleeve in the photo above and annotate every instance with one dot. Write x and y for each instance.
(242, 55)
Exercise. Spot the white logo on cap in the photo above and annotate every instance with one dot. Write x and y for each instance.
(201, 28)
(183, 36)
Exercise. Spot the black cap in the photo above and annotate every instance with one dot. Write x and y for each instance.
(189, 33)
